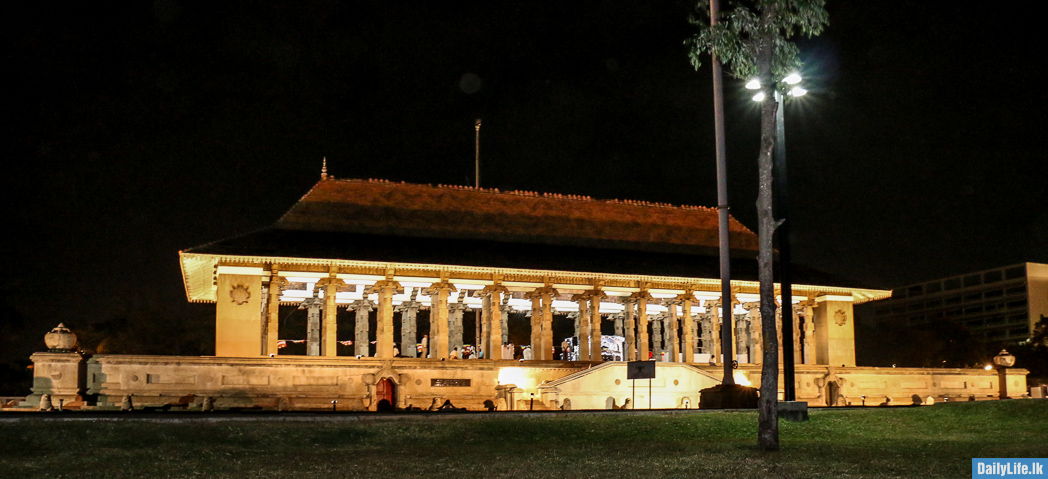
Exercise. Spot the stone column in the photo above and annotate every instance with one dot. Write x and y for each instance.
(505, 309)
(642, 297)
(688, 351)
(808, 307)
(584, 326)
(670, 331)
(360, 334)
(455, 331)
(631, 339)
(706, 334)
(536, 324)
(713, 308)
(409, 326)
(656, 337)
(547, 293)
(271, 332)
(742, 340)
(797, 355)
(439, 336)
(493, 320)
(312, 306)
(595, 335)
(329, 346)
(384, 330)
(617, 321)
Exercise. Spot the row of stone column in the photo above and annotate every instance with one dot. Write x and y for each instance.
(699, 332)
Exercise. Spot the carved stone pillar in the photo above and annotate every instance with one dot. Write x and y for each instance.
(797, 355)
(688, 349)
(617, 322)
(360, 333)
(409, 326)
(547, 293)
(536, 324)
(706, 334)
(313, 306)
(384, 330)
(493, 320)
(505, 309)
(642, 297)
(742, 339)
(656, 337)
(713, 308)
(584, 326)
(329, 345)
(439, 336)
(753, 330)
(595, 335)
(809, 330)
(670, 325)
(631, 339)
(455, 328)
(271, 331)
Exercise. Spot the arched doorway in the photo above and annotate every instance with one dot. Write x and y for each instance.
(385, 390)
(833, 393)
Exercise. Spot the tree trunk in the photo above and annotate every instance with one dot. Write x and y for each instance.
(768, 419)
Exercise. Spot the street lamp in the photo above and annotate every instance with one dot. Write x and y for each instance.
(781, 206)
(1003, 360)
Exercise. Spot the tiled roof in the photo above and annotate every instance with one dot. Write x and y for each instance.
(454, 212)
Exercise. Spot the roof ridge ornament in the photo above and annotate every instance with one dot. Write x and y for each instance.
(323, 170)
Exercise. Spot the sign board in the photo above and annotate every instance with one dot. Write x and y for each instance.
(640, 370)
(450, 383)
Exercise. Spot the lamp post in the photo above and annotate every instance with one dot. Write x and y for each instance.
(781, 206)
(1003, 360)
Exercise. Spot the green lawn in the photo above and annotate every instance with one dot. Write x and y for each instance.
(937, 441)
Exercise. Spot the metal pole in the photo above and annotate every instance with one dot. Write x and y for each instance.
(476, 165)
(783, 233)
(722, 210)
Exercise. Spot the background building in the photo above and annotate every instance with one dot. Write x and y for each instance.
(998, 306)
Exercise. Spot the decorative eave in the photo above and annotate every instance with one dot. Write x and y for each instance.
(199, 274)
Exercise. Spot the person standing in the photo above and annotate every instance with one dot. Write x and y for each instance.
(425, 345)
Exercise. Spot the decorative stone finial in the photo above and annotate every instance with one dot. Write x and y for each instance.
(60, 340)
(323, 170)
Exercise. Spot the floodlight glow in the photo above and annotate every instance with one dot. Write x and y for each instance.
(792, 79)
(797, 91)
(753, 84)
(758, 97)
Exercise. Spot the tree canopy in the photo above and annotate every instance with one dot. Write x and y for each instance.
(736, 36)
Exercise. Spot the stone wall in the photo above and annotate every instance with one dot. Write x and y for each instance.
(312, 383)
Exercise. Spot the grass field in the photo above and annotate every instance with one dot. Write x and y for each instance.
(937, 441)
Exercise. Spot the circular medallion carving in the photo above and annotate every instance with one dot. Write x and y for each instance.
(239, 294)
(840, 317)
(676, 382)
(134, 378)
(618, 381)
(418, 382)
(56, 375)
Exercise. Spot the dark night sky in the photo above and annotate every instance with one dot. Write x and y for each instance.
(141, 129)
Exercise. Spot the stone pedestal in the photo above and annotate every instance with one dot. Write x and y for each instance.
(58, 375)
(796, 411)
(728, 397)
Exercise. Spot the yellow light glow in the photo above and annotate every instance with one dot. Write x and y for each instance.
(988, 367)
(741, 379)
(515, 376)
